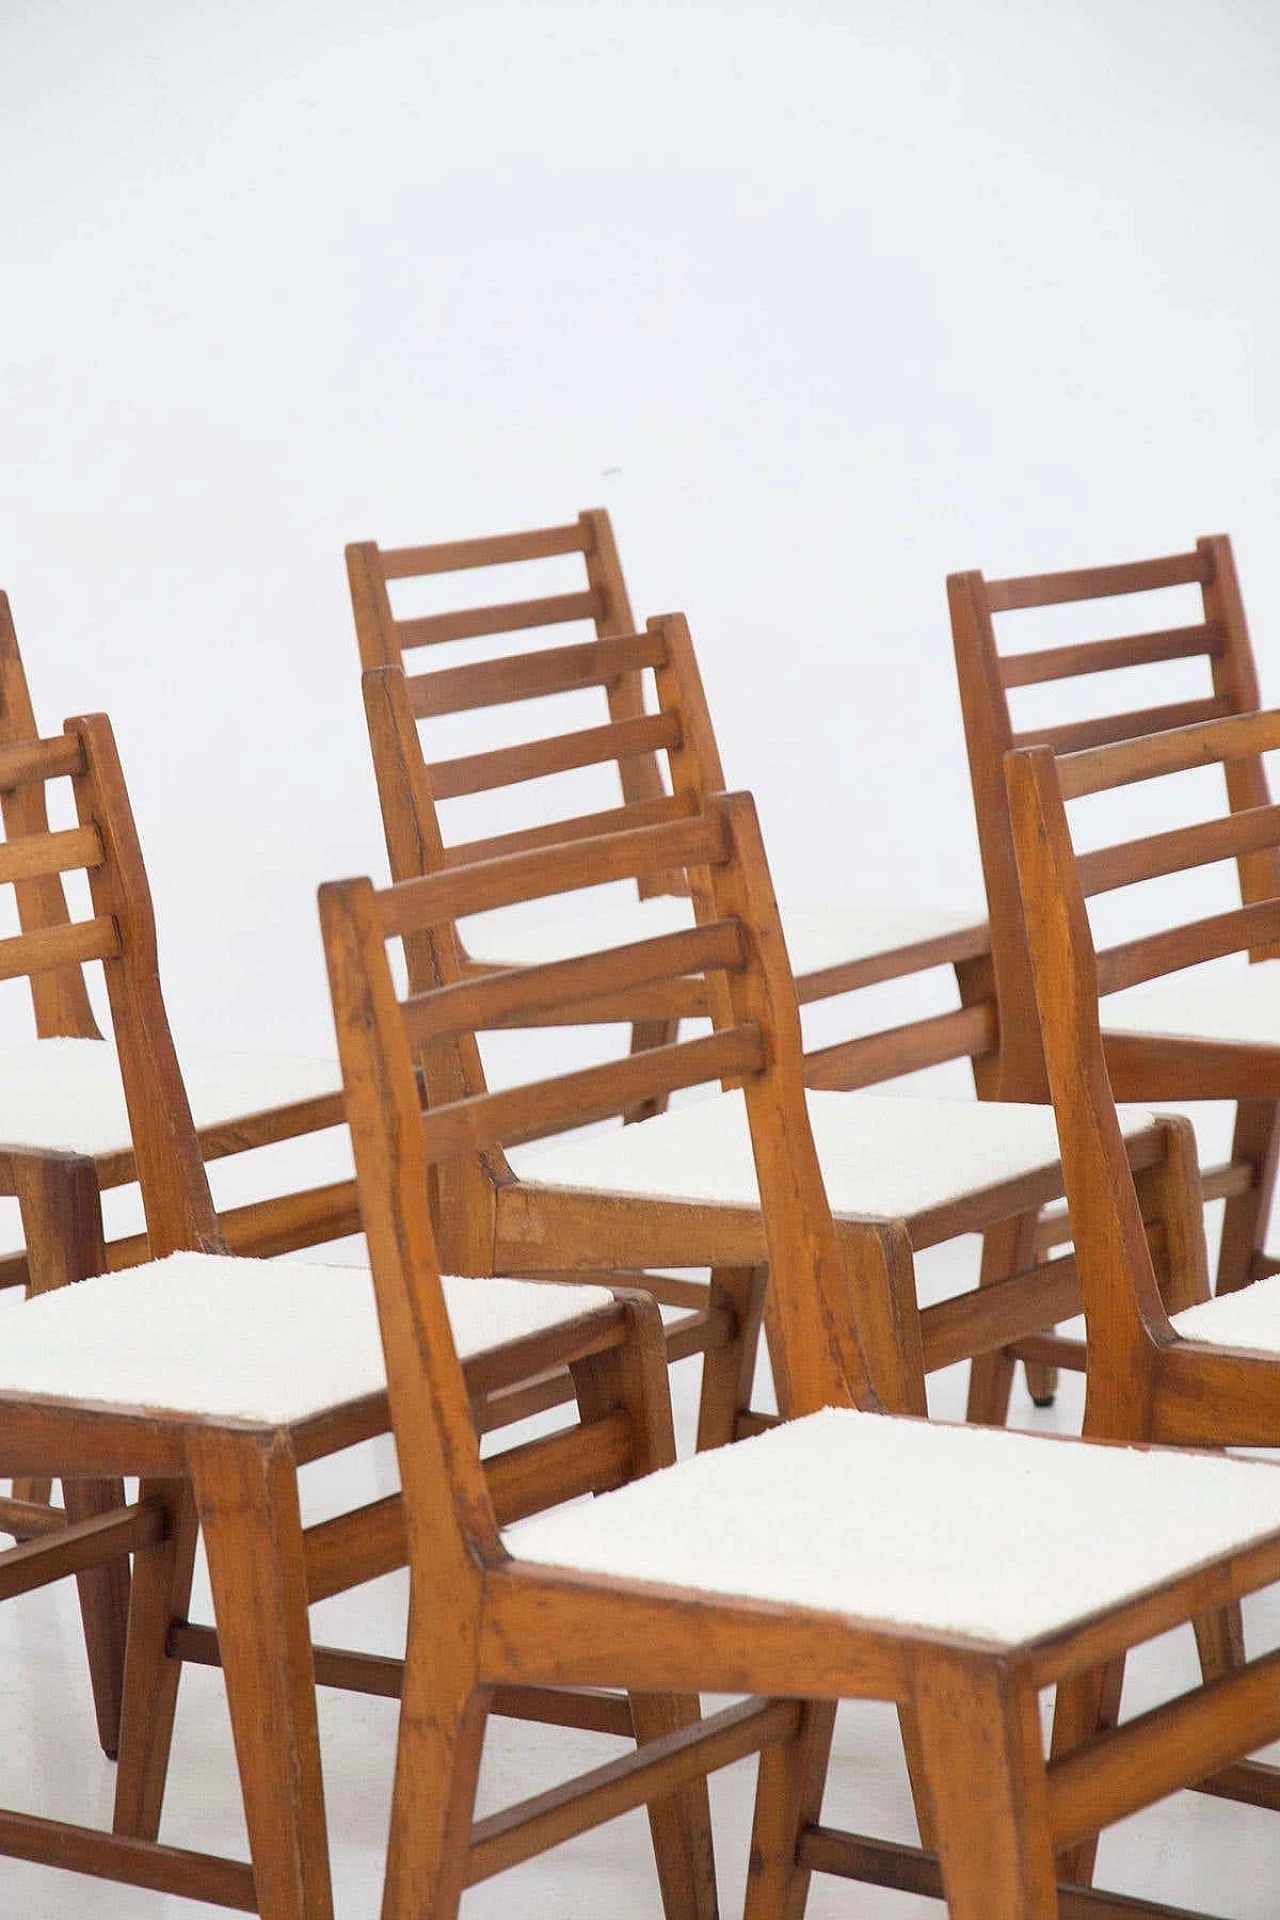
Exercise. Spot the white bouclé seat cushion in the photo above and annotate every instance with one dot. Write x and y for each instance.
(1249, 1317)
(881, 1154)
(816, 937)
(968, 1530)
(1235, 1004)
(269, 1341)
(66, 1095)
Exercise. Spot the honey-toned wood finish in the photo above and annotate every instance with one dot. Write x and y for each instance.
(34, 859)
(235, 1480)
(1152, 1068)
(1146, 1381)
(841, 1334)
(638, 742)
(492, 1222)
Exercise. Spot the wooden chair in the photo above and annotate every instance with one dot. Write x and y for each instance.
(1170, 1045)
(834, 950)
(800, 1567)
(680, 1191)
(63, 1091)
(1210, 1374)
(213, 1379)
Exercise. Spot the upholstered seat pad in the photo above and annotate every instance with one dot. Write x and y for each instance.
(66, 1094)
(969, 1530)
(264, 1340)
(881, 1154)
(817, 937)
(1240, 1004)
(1247, 1318)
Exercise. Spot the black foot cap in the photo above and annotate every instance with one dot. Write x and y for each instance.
(1047, 1401)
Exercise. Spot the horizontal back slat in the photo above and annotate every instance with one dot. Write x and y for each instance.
(438, 898)
(38, 854)
(21, 953)
(545, 1107)
(1236, 738)
(470, 623)
(641, 813)
(517, 994)
(1098, 583)
(496, 550)
(1106, 656)
(1250, 831)
(536, 759)
(1078, 735)
(964, 1033)
(532, 676)
(1188, 945)
(40, 760)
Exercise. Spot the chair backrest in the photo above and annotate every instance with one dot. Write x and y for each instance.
(381, 1039)
(632, 739)
(407, 792)
(121, 935)
(988, 676)
(1122, 1300)
(59, 998)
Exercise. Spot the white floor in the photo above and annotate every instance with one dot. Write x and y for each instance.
(1193, 1852)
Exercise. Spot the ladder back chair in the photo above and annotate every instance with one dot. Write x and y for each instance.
(680, 1190)
(71, 1089)
(1208, 1375)
(799, 1567)
(1169, 1052)
(213, 1379)
(834, 949)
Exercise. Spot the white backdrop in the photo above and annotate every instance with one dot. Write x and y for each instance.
(820, 301)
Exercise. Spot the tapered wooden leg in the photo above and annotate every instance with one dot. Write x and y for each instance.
(634, 1377)
(680, 1824)
(728, 1373)
(1006, 1248)
(62, 1226)
(981, 1734)
(788, 1799)
(161, 1595)
(442, 1722)
(918, 1774)
(1085, 1706)
(646, 1034)
(1244, 1218)
(246, 1492)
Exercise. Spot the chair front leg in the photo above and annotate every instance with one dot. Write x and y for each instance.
(1085, 1706)
(246, 1493)
(980, 1730)
(728, 1372)
(1007, 1248)
(633, 1377)
(1244, 1219)
(62, 1226)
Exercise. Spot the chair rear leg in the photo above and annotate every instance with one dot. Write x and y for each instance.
(161, 1596)
(728, 1372)
(789, 1791)
(1006, 1248)
(1085, 1706)
(680, 1824)
(1244, 1219)
(443, 1714)
(980, 1729)
(246, 1490)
